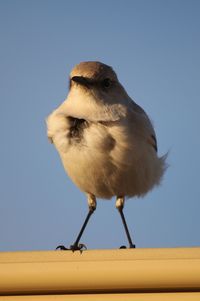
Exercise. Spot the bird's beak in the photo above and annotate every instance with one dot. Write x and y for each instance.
(81, 80)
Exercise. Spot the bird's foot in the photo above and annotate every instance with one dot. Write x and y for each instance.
(130, 247)
(79, 247)
(61, 247)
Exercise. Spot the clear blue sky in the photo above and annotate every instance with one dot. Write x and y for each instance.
(154, 46)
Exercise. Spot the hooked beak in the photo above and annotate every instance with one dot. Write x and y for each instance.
(81, 80)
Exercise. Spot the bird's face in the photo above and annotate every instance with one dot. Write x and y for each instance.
(95, 81)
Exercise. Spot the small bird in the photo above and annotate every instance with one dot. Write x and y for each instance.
(106, 141)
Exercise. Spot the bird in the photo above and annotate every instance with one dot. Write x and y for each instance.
(106, 141)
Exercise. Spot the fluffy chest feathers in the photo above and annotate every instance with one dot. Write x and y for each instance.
(71, 134)
(91, 136)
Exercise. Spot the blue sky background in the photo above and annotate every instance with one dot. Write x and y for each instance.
(154, 46)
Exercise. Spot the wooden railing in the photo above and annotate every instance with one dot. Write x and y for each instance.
(125, 274)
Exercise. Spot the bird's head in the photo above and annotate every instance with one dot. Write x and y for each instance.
(97, 80)
(95, 93)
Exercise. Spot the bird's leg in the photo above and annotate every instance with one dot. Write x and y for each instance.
(76, 245)
(92, 206)
(120, 206)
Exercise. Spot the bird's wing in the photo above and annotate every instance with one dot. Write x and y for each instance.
(153, 142)
(143, 124)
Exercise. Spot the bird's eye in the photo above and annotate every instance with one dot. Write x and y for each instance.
(106, 83)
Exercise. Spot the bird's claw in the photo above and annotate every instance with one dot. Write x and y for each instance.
(79, 247)
(61, 247)
(130, 247)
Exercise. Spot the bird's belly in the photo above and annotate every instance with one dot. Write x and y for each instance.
(89, 165)
(106, 167)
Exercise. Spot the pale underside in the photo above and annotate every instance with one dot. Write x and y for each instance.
(107, 158)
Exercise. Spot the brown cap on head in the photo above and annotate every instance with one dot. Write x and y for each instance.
(92, 69)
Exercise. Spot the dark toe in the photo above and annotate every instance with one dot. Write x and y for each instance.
(61, 247)
(130, 247)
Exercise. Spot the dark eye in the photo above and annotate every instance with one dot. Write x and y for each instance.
(106, 83)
